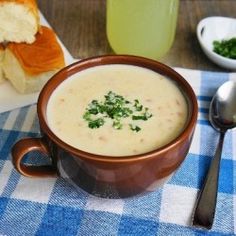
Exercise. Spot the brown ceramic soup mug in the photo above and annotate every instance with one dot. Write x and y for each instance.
(114, 126)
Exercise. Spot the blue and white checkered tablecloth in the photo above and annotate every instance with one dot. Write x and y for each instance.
(53, 207)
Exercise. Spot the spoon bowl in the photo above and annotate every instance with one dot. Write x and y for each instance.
(222, 116)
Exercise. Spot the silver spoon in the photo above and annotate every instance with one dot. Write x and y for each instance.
(222, 116)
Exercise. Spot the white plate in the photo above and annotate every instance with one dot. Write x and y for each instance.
(216, 28)
(11, 99)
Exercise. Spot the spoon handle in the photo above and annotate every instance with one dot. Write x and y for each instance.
(206, 202)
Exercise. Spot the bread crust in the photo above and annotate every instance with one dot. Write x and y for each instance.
(21, 81)
(45, 54)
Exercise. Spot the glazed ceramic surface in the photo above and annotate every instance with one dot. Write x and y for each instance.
(107, 176)
(216, 28)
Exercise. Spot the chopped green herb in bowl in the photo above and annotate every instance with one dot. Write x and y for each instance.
(217, 38)
(225, 48)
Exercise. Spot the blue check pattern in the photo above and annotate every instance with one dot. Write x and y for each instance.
(54, 207)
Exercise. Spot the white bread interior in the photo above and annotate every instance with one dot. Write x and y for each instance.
(23, 82)
(18, 23)
(1, 65)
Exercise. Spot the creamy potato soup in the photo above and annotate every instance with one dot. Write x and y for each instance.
(117, 110)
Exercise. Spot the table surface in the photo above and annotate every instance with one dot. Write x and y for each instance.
(81, 25)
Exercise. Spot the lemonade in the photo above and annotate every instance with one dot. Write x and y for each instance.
(141, 27)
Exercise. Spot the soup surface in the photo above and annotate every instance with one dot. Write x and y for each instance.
(156, 110)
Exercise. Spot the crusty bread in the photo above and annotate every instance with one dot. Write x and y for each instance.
(30, 66)
(19, 20)
(1, 61)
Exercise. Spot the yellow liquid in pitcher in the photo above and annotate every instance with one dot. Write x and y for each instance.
(141, 27)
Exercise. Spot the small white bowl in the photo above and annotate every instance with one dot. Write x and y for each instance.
(216, 28)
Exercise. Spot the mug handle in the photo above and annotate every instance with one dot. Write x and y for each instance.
(25, 146)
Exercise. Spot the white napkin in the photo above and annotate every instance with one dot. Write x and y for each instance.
(10, 98)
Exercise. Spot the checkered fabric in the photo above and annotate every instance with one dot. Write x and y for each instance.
(53, 207)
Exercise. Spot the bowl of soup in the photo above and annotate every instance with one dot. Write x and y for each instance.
(114, 126)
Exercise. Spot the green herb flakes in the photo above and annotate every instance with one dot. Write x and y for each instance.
(144, 116)
(134, 127)
(116, 108)
(225, 48)
(137, 105)
(94, 124)
(117, 124)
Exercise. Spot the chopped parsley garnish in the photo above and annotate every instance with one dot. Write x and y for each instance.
(94, 124)
(225, 48)
(115, 107)
(137, 105)
(143, 116)
(117, 124)
(134, 127)
(94, 107)
(87, 116)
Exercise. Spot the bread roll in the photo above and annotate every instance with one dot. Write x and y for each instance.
(30, 66)
(1, 61)
(19, 20)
